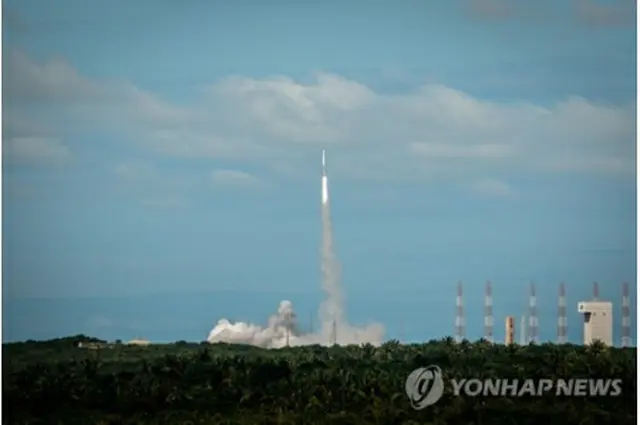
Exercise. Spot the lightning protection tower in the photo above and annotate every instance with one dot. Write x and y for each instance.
(562, 315)
(488, 313)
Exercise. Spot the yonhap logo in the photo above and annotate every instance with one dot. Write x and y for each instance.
(424, 386)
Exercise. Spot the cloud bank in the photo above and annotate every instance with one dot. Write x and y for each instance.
(279, 122)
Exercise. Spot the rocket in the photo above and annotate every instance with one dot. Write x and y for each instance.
(325, 187)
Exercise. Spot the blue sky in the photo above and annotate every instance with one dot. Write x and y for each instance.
(161, 161)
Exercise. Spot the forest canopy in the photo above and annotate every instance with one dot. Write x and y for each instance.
(58, 381)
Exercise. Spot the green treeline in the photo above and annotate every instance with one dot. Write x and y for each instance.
(55, 382)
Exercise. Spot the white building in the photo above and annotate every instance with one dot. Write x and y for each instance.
(598, 321)
(142, 342)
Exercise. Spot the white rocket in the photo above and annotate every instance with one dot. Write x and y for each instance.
(325, 187)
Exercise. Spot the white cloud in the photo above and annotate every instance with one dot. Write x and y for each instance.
(234, 178)
(492, 188)
(38, 150)
(280, 123)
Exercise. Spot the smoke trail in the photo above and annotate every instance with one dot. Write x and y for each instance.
(282, 329)
(332, 308)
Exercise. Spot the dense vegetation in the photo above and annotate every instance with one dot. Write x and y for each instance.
(55, 382)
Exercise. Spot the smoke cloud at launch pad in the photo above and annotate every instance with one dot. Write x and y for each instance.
(280, 333)
(282, 328)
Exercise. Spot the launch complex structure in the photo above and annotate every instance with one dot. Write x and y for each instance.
(597, 318)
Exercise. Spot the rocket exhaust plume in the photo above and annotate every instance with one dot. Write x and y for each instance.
(282, 329)
(331, 310)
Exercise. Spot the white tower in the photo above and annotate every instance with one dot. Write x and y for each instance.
(523, 330)
(598, 323)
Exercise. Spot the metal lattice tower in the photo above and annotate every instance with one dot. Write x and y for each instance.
(533, 314)
(596, 291)
(459, 315)
(488, 313)
(562, 316)
(626, 316)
